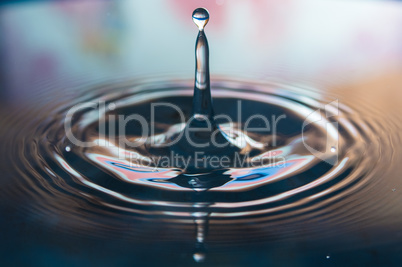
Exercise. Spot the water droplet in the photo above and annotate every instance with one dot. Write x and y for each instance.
(333, 149)
(199, 257)
(192, 182)
(328, 257)
(68, 148)
(201, 17)
(202, 100)
(112, 106)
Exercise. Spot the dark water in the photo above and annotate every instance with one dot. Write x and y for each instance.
(328, 195)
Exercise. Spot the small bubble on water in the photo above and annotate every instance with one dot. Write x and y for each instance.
(192, 182)
(112, 106)
(199, 257)
(68, 148)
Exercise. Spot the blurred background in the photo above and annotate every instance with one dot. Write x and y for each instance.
(58, 45)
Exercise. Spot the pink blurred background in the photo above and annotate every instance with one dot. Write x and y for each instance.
(57, 46)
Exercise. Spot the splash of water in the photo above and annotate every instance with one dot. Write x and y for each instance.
(97, 190)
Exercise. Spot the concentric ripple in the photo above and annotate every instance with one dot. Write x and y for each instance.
(325, 154)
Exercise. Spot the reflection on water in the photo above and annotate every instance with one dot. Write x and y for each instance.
(324, 198)
(100, 192)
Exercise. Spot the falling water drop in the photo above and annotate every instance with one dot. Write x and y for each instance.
(202, 101)
(68, 148)
(201, 17)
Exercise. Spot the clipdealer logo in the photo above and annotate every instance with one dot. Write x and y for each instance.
(117, 127)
